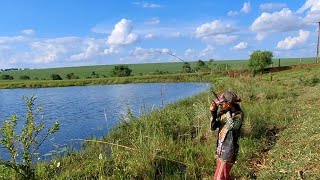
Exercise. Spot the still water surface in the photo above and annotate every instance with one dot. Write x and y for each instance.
(92, 110)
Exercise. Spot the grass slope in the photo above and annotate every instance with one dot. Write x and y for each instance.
(280, 136)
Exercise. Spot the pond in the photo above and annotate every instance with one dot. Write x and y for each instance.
(86, 111)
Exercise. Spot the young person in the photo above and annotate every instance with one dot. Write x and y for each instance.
(227, 117)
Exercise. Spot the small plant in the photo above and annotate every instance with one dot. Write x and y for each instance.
(121, 71)
(6, 77)
(25, 77)
(72, 76)
(26, 143)
(186, 68)
(55, 77)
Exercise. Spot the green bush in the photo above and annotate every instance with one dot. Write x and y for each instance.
(259, 60)
(25, 77)
(121, 71)
(6, 77)
(72, 76)
(55, 77)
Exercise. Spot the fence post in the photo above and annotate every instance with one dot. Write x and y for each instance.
(279, 62)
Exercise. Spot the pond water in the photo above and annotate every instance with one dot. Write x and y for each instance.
(91, 110)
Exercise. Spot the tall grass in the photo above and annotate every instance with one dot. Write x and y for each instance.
(279, 137)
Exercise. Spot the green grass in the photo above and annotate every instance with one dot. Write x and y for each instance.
(138, 69)
(280, 136)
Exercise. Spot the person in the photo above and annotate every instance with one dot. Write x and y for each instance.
(227, 117)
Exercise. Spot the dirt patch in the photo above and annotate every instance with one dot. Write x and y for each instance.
(284, 68)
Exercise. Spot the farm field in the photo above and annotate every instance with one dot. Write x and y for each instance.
(141, 69)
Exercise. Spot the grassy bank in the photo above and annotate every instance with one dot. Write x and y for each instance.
(280, 136)
(190, 77)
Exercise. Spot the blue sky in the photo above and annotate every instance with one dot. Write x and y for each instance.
(43, 34)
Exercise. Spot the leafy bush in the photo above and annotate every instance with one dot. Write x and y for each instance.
(24, 77)
(27, 142)
(186, 68)
(6, 77)
(72, 76)
(259, 60)
(55, 77)
(121, 71)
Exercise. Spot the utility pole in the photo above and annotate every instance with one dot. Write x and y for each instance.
(317, 60)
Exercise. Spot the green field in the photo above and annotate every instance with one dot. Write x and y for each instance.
(140, 69)
(280, 136)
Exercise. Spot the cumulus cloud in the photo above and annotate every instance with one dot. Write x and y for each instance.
(272, 6)
(152, 21)
(291, 42)
(143, 54)
(149, 36)
(313, 15)
(147, 5)
(240, 46)
(208, 51)
(221, 39)
(189, 52)
(282, 21)
(233, 13)
(122, 34)
(246, 7)
(11, 39)
(92, 48)
(28, 32)
(215, 27)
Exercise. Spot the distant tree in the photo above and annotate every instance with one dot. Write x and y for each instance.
(200, 63)
(259, 60)
(72, 76)
(120, 71)
(186, 68)
(6, 77)
(201, 66)
(55, 77)
(211, 60)
(93, 73)
(24, 77)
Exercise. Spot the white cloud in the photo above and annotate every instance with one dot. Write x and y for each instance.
(147, 5)
(150, 54)
(122, 34)
(240, 46)
(152, 21)
(11, 39)
(176, 34)
(246, 7)
(28, 32)
(207, 51)
(313, 15)
(111, 50)
(215, 27)
(272, 6)
(233, 13)
(221, 39)
(149, 36)
(189, 52)
(92, 48)
(291, 42)
(282, 21)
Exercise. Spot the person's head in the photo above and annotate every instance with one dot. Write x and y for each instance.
(227, 100)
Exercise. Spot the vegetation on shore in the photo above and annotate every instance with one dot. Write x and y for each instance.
(280, 136)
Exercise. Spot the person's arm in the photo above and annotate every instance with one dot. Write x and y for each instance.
(214, 123)
(234, 121)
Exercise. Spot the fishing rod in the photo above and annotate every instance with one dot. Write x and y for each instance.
(210, 85)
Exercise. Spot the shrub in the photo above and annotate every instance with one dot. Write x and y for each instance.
(55, 77)
(186, 68)
(26, 143)
(72, 76)
(24, 77)
(6, 77)
(259, 60)
(121, 71)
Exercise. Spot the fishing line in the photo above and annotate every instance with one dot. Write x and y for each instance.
(210, 85)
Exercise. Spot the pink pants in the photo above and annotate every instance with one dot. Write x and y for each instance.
(223, 170)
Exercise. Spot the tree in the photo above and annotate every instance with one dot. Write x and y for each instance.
(6, 77)
(24, 77)
(259, 60)
(120, 71)
(72, 76)
(24, 143)
(55, 77)
(186, 68)
(200, 63)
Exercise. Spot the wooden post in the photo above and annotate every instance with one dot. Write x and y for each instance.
(317, 60)
(300, 61)
(279, 62)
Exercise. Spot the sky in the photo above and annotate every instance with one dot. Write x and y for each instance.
(59, 33)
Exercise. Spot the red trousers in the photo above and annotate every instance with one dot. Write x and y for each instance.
(223, 170)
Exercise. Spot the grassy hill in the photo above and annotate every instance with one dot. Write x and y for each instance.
(139, 69)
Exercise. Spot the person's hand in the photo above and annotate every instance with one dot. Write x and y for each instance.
(213, 106)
